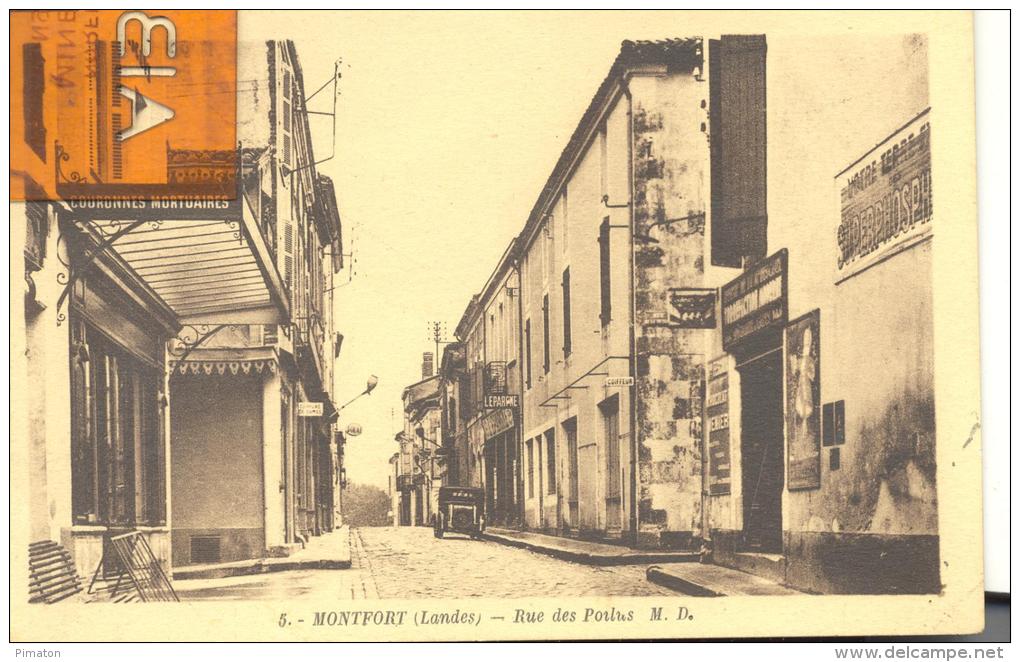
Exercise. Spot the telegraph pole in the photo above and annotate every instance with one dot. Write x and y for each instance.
(437, 334)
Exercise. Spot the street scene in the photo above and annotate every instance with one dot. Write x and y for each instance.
(646, 310)
(408, 562)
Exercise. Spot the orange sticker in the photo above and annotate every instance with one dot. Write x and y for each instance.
(124, 104)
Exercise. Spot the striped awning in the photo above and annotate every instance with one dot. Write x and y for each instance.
(215, 271)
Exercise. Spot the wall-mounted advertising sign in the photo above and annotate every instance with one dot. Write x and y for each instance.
(885, 199)
(500, 402)
(755, 300)
(692, 308)
(803, 394)
(619, 381)
(309, 409)
(717, 412)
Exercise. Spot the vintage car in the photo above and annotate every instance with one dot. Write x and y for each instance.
(461, 510)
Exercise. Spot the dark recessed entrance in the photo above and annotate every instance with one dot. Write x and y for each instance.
(761, 451)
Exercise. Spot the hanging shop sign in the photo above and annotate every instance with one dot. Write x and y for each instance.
(309, 409)
(353, 430)
(803, 403)
(498, 421)
(755, 301)
(495, 378)
(619, 381)
(717, 413)
(692, 308)
(885, 199)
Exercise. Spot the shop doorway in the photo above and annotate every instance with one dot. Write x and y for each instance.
(761, 446)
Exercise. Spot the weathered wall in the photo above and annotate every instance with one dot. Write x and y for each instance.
(670, 198)
(877, 513)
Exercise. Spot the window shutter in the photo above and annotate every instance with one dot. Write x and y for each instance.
(288, 252)
(545, 332)
(566, 312)
(738, 148)
(606, 312)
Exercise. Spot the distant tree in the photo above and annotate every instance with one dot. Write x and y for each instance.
(366, 505)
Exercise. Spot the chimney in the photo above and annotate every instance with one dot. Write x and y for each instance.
(427, 364)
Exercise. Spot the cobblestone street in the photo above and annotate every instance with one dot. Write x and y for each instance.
(408, 562)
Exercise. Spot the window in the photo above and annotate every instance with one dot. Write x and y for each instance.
(566, 312)
(550, 460)
(527, 353)
(545, 332)
(606, 312)
(738, 169)
(118, 467)
(531, 469)
(453, 415)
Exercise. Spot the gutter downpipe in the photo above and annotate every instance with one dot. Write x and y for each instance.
(633, 316)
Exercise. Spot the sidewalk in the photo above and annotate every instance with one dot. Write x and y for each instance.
(709, 581)
(330, 551)
(581, 551)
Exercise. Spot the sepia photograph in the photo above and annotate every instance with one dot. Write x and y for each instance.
(493, 325)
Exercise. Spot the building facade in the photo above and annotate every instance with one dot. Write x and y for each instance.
(490, 333)
(421, 465)
(256, 454)
(684, 381)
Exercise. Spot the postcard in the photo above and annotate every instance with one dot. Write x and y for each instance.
(493, 325)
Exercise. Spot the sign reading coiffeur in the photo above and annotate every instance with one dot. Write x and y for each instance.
(885, 198)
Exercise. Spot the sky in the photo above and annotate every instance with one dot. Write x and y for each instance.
(447, 127)
(449, 123)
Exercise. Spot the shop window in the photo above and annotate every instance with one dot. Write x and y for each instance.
(737, 120)
(116, 418)
(834, 430)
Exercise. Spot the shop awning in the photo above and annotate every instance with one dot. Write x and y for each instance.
(207, 270)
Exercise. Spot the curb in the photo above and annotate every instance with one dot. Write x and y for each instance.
(590, 558)
(656, 575)
(260, 566)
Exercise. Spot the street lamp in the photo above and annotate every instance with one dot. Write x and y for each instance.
(373, 381)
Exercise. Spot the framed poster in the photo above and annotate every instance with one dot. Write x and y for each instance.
(803, 395)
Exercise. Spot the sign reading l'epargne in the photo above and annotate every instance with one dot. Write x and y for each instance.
(885, 198)
(102, 99)
(755, 300)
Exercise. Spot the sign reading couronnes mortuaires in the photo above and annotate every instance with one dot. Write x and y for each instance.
(755, 300)
(885, 198)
